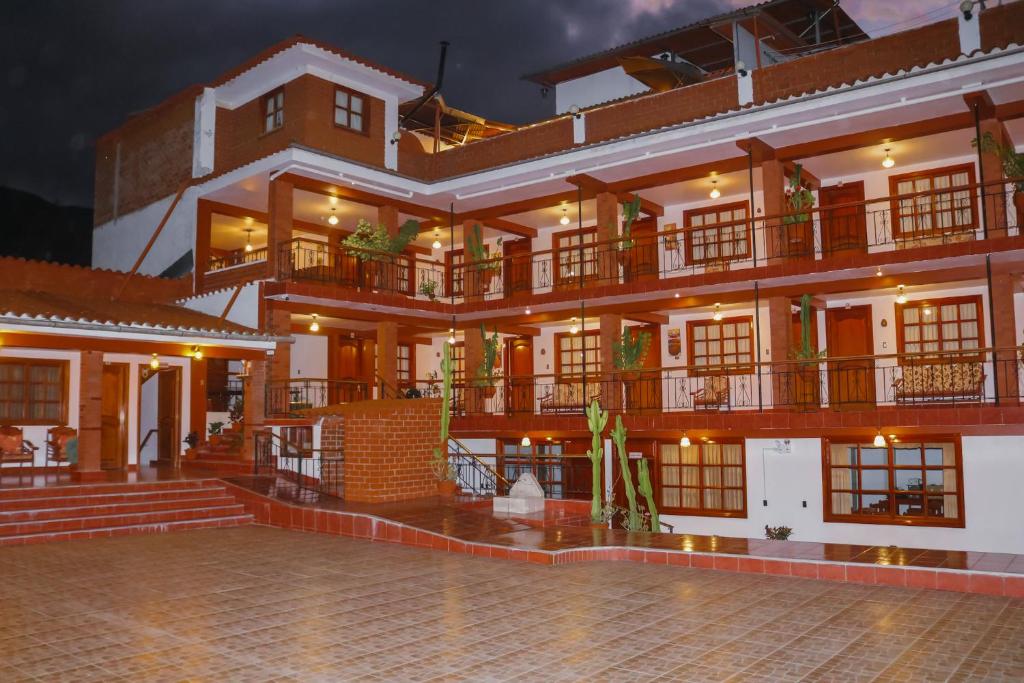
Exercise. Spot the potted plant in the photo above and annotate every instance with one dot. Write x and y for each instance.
(629, 352)
(806, 379)
(373, 244)
(236, 411)
(1013, 167)
(796, 234)
(630, 212)
(429, 289)
(447, 476)
(777, 533)
(479, 262)
(485, 373)
(192, 440)
(216, 436)
(596, 421)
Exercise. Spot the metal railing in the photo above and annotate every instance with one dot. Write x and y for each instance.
(309, 468)
(473, 474)
(237, 257)
(292, 397)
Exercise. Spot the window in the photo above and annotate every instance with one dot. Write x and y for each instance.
(729, 341)
(573, 256)
(578, 353)
(349, 110)
(944, 325)
(458, 362)
(703, 479)
(455, 274)
(33, 392)
(933, 212)
(273, 111)
(717, 234)
(562, 470)
(900, 483)
(405, 365)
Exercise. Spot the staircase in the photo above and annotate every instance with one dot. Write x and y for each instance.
(225, 457)
(58, 513)
(473, 474)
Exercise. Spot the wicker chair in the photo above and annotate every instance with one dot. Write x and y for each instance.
(57, 441)
(567, 397)
(714, 395)
(15, 448)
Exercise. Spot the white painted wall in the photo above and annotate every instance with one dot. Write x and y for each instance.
(148, 406)
(118, 243)
(595, 89)
(309, 356)
(245, 311)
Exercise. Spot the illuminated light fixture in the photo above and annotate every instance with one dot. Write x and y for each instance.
(573, 327)
(714, 194)
(926, 312)
(741, 69)
(718, 313)
(333, 200)
(197, 353)
(396, 136)
(966, 7)
(878, 271)
(879, 441)
(333, 218)
(248, 240)
(564, 220)
(154, 362)
(525, 443)
(315, 325)
(888, 161)
(676, 295)
(527, 311)
(451, 337)
(901, 295)
(685, 441)
(437, 239)
(248, 220)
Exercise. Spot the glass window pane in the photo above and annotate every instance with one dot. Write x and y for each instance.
(357, 121)
(357, 104)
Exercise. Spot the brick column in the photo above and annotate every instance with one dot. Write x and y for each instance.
(610, 325)
(279, 228)
(197, 396)
(474, 347)
(1005, 342)
(773, 187)
(607, 229)
(254, 415)
(90, 417)
(388, 217)
(387, 357)
(780, 330)
(279, 322)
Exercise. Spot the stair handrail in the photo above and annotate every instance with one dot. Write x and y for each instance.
(478, 464)
(145, 439)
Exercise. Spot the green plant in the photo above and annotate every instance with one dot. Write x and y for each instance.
(441, 467)
(429, 288)
(630, 212)
(237, 409)
(478, 256)
(485, 371)
(215, 428)
(629, 352)
(804, 351)
(799, 198)
(634, 519)
(1013, 162)
(777, 533)
(373, 243)
(643, 476)
(596, 421)
(192, 439)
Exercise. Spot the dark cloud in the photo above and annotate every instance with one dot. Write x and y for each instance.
(73, 69)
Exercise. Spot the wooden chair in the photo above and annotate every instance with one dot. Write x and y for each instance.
(57, 440)
(714, 395)
(15, 448)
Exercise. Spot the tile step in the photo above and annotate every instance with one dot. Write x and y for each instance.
(38, 514)
(91, 499)
(107, 532)
(110, 521)
(95, 489)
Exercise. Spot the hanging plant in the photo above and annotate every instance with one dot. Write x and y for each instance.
(629, 352)
(799, 199)
(374, 243)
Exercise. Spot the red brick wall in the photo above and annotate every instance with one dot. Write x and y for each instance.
(1003, 25)
(387, 447)
(544, 138)
(156, 157)
(232, 277)
(916, 47)
(308, 121)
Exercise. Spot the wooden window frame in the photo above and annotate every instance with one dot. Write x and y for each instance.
(365, 129)
(689, 230)
(739, 369)
(929, 357)
(412, 363)
(556, 264)
(272, 95)
(700, 512)
(892, 518)
(458, 373)
(29, 363)
(563, 377)
(897, 223)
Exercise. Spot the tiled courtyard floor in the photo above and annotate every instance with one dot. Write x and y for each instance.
(263, 604)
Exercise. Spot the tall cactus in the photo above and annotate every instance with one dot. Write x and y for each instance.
(440, 464)
(647, 491)
(596, 420)
(635, 519)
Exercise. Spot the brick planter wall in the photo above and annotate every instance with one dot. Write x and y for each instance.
(388, 446)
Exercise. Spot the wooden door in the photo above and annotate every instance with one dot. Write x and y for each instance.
(806, 377)
(843, 229)
(517, 268)
(519, 389)
(644, 393)
(114, 416)
(354, 362)
(851, 376)
(168, 417)
(642, 260)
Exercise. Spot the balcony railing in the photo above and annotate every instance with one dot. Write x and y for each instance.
(975, 377)
(291, 397)
(238, 257)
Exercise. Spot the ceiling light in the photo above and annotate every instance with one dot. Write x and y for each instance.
(437, 239)
(718, 313)
(573, 327)
(901, 295)
(888, 161)
(451, 337)
(525, 443)
(248, 220)
(879, 441)
(564, 220)
(685, 441)
(315, 325)
(333, 200)
(878, 271)
(197, 353)
(154, 362)
(676, 295)
(527, 311)
(715, 194)
(333, 218)
(248, 240)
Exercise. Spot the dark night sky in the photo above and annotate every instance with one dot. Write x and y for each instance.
(73, 69)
